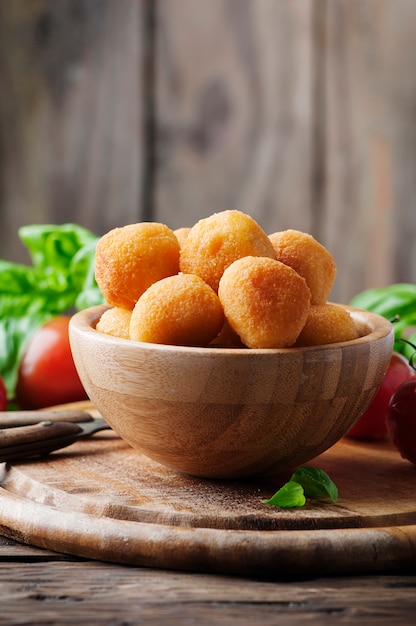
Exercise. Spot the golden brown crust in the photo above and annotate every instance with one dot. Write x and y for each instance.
(265, 301)
(129, 259)
(215, 242)
(327, 323)
(115, 322)
(227, 338)
(223, 281)
(178, 310)
(309, 258)
(181, 234)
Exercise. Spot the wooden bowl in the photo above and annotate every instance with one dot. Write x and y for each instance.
(227, 412)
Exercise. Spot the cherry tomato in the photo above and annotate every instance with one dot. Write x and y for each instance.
(401, 420)
(372, 424)
(3, 395)
(47, 373)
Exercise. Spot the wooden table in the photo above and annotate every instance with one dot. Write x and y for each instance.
(43, 587)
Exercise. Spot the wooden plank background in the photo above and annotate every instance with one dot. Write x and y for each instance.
(300, 112)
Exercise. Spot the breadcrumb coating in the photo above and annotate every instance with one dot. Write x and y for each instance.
(181, 234)
(129, 259)
(327, 323)
(309, 258)
(265, 301)
(215, 242)
(179, 310)
(115, 322)
(227, 338)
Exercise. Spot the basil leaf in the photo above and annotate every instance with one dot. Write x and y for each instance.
(53, 246)
(60, 279)
(289, 496)
(398, 302)
(82, 274)
(387, 301)
(315, 482)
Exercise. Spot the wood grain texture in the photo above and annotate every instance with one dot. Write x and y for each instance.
(367, 140)
(44, 588)
(307, 125)
(234, 111)
(300, 113)
(227, 412)
(100, 499)
(70, 115)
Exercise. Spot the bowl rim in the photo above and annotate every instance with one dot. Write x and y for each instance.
(84, 321)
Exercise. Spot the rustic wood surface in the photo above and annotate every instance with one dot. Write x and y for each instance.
(224, 413)
(43, 587)
(101, 499)
(300, 113)
(39, 586)
(70, 114)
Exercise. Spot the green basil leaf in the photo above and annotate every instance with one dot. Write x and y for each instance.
(60, 279)
(394, 302)
(82, 272)
(54, 246)
(315, 482)
(289, 496)
(387, 301)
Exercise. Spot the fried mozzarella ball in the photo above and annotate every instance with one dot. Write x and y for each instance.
(116, 322)
(129, 259)
(179, 310)
(265, 301)
(215, 242)
(327, 323)
(181, 234)
(227, 338)
(309, 258)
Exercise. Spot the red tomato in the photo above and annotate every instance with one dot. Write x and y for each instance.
(3, 395)
(401, 420)
(372, 424)
(47, 373)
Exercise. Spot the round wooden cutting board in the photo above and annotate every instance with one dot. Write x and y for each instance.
(101, 499)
